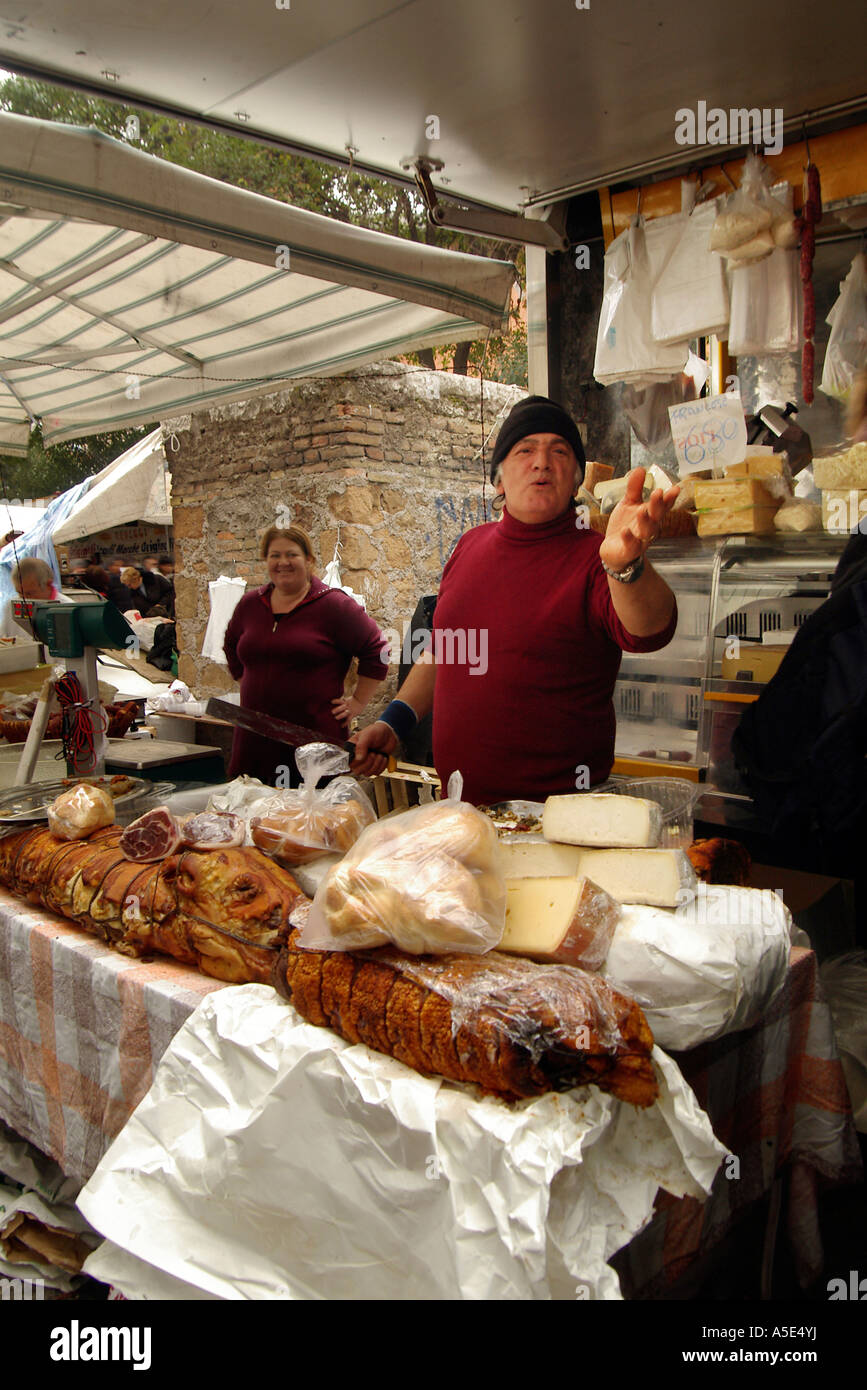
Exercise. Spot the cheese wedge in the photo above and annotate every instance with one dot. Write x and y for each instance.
(539, 859)
(657, 877)
(602, 819)
(559, 921)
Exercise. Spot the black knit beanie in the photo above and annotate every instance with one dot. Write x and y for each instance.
(536, 415)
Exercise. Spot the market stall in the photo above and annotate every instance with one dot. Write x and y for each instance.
(510, 1197)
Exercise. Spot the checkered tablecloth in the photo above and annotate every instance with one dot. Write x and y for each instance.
(82, 1029)
(777, 1098)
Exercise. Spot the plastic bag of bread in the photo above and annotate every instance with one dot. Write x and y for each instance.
(429, 881)
(76, 813)
(299, 825)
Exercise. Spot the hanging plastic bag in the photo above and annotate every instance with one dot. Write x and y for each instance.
(846, 353)
(625, 348)
(333, 579)
(766, 306)
(690, 297)
(752, 221)
(646, 407)
(225, 595)
(303, 823)
(429, 880)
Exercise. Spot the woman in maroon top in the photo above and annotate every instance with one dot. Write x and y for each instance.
(290, 645)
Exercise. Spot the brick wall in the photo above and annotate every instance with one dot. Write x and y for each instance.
(387, 459)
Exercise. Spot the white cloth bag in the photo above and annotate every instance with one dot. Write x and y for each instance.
(225, 594)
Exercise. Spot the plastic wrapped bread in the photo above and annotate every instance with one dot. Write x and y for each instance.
(428, 880)
(299, 825)
(77, 813)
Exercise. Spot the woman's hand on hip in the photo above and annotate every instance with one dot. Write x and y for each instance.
(346, 708)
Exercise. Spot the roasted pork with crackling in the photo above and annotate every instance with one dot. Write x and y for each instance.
(511, 1026)
(225, 911)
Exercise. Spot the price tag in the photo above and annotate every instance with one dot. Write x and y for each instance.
(710, 433)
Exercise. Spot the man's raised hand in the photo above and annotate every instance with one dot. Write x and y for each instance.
(635, 524)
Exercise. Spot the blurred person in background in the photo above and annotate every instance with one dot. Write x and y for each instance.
(33, 579)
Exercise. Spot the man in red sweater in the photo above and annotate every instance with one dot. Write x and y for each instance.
(532, 616)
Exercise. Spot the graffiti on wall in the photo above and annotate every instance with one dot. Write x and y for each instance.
(453, 518)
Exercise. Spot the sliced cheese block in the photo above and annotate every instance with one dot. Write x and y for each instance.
(603, 819)
(657, 877)
(559, 921)
(847, 469)
(539, 859)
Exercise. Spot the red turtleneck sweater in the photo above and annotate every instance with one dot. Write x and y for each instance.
(528, 647)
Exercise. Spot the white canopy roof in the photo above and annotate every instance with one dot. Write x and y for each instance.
(529, 96)
(132, 289)
(132, 488)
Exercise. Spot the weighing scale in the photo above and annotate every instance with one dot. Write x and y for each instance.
(74, 633)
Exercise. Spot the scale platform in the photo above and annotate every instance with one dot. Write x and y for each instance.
(172, 762)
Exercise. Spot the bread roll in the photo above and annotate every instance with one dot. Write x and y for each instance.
(76, 813)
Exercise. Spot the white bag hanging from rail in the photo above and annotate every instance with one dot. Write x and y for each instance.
(846, 352)
(332, 578)
(225, 594)
(766, 306)
(625, 349)
(690, 296)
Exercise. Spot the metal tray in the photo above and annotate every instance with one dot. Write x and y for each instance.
(28, 805)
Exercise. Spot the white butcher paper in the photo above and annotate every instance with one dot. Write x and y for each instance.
(273, 1160)
(710, 967)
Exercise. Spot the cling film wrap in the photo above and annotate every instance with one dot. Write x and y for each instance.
(539, 1008)
(429, 880)
(513, 1027)
(299, 825)
(76, 813)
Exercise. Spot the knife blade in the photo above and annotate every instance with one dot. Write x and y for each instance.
(268, 726)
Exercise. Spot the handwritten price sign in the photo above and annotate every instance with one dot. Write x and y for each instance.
(709, 433)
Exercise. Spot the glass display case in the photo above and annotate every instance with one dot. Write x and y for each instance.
(679, 707)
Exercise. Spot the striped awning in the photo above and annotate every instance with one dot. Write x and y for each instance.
(132, 289)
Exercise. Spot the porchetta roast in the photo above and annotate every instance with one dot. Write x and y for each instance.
(513, 1027)
(225, 911)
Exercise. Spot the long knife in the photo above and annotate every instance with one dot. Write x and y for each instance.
(267, 726)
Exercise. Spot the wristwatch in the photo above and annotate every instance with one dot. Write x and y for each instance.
(627, 576)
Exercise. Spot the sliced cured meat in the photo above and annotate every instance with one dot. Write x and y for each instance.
(153, 836)
(213, 830)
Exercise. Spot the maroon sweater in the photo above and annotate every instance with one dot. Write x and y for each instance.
(292, 665)
(538, 597)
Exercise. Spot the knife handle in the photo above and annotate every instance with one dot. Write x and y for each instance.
(390, 759)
